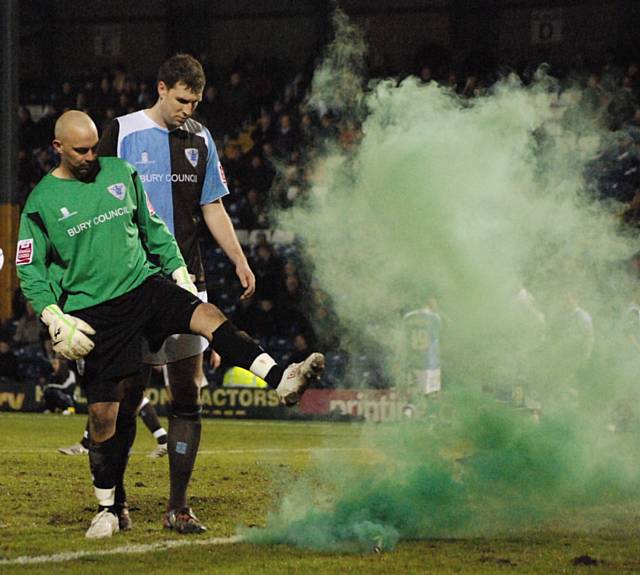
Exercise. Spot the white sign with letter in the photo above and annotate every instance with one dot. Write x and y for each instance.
(546, 26)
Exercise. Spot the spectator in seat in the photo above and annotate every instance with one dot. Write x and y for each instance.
(65, 99)
(18, 304)
(258, 175)
(291, 298)
(286, 139)
(265, 318)
(267, 267)
(252, 214)
(145, 97)
(44, 126)
(212, 112)
(27, 132)
(237, 101)
(29, 173)
(300, 346)
(426, 75)
(58, 391)
(233, 165)
(28, 328)
(8, 361)
(264, 131)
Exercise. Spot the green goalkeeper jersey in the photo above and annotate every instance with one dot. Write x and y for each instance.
(81, 244)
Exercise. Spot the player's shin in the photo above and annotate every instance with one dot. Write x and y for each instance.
(184, 439)
(103, 461)
(125, 436)
(237, 348)
(149, 416)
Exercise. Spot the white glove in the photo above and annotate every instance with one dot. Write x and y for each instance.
(67, 333)
(182, 277)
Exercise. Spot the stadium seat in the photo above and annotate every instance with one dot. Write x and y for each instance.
(336, 364)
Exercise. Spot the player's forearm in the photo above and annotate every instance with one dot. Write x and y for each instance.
(221, 228)
(159, 242)
(35, 288)
(31, 268)
(168, 253)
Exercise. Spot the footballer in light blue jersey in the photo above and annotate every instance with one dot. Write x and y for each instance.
(180, 171)
(422, 332)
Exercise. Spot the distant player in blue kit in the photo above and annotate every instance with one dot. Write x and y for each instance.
(179, 167)
(422, 345)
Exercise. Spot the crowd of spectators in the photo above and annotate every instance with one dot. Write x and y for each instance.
(266, 135)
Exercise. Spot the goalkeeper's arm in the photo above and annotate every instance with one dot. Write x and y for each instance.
(184, 279)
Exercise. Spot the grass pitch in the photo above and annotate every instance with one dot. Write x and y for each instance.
(47, 502)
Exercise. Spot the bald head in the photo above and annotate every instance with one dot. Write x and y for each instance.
(76, 140)
(74, 123)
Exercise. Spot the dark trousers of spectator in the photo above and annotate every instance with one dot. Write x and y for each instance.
(57, 399)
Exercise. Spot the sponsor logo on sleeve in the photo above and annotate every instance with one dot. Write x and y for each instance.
(192, 156)
(118, 190)
(24, 254)
(222, 175)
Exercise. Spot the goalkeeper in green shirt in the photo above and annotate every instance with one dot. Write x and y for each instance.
(93, 259)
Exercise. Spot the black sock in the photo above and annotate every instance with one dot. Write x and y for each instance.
(103, 461)
(125, 436)
(184, 438)
(149, 415)
(85, 436)
(237, 348)
(274, 376)
(234, 346)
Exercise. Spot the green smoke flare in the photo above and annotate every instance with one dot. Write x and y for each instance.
(470, 201)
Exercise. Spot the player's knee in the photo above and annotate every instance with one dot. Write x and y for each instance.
(191, 411)
(132, 399)
(185, 391)
(206, 319)
(102, 426)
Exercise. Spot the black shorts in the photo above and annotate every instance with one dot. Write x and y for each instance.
(155, 310)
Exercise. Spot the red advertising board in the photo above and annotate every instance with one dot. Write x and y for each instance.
(372, 405)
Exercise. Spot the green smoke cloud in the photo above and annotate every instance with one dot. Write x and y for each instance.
(471, 201)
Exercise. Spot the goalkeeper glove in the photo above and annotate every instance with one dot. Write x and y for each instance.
(69, 334)
(182, 277)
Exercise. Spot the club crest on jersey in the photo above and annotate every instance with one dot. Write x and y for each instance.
(118, 190)
(192, 156)
(24, 253)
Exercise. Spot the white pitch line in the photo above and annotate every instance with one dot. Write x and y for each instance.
(281, 450)
(211, 451)
(122, 550)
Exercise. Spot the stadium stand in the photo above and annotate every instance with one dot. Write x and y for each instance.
(260, 122)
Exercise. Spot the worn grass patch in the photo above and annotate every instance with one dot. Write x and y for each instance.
(47, 503)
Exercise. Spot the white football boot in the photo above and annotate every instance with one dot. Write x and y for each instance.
(159, 451)
(77, 449)
(104, 524)
(297, 377)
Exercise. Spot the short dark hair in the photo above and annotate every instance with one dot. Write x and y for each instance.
(182, 68)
